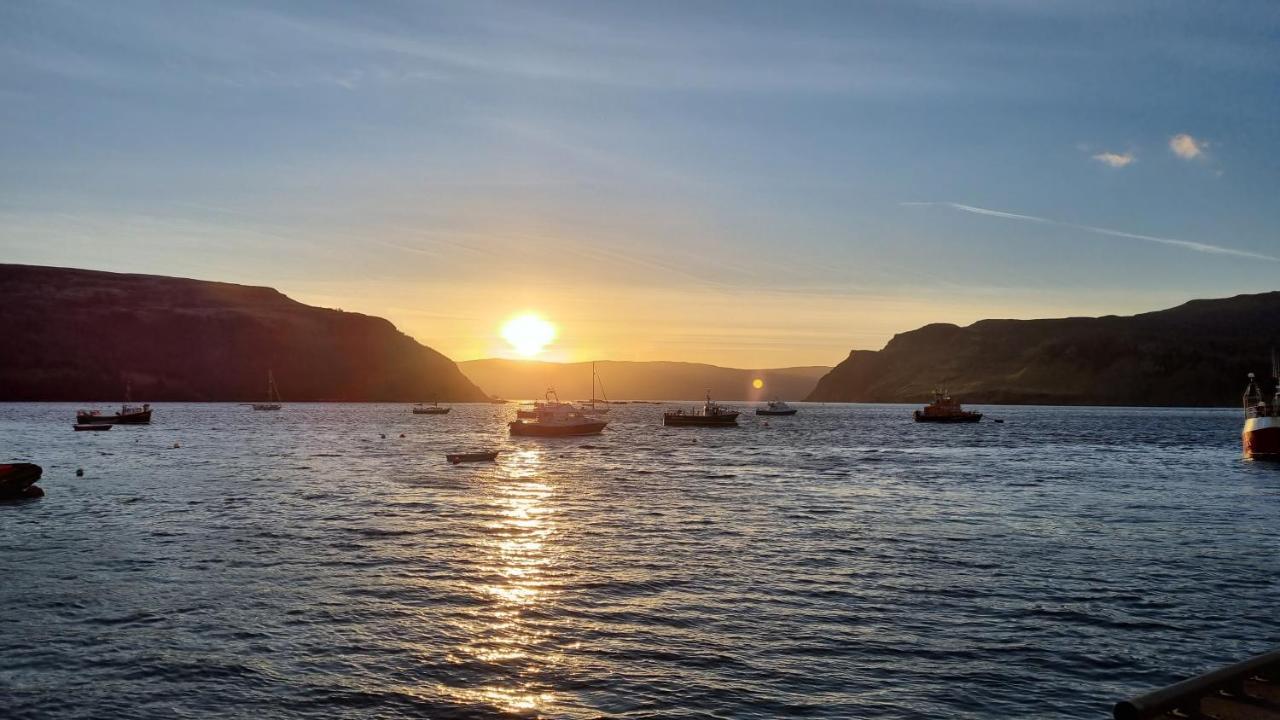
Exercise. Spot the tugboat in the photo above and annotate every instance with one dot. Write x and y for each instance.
(432, 409)
(273, 395)
(557, 420)
(128, 415)
(945, 409)
(776, 407)
(711, 415)
(1261, 433)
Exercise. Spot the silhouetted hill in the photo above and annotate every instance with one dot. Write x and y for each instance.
(524, 379)
(1195, 354)
(79, 334)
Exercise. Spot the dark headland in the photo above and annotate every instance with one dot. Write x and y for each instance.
(1196, 354)
(80, 335)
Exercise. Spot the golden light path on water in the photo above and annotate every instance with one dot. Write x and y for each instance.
(514, 567)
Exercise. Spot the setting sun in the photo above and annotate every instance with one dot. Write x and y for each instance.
(528, 334)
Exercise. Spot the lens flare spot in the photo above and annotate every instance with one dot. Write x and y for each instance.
(757, 383)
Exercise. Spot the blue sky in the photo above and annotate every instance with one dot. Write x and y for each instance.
(751, 184)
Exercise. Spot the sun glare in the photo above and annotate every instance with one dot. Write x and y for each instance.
(757, 383)
(528, 334)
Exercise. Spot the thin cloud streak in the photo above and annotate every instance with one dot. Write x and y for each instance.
(1184, 244)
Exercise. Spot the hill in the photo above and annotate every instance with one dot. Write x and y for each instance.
(81, 334)
(1196, 354)
(524, 379)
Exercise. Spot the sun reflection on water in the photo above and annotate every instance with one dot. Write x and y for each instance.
(511, 582)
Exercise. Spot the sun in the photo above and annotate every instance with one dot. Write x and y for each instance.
(757, 383)
(528, 334)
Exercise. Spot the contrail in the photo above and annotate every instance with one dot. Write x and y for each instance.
(1185, 244)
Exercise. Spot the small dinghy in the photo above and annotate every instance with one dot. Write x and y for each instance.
(81, 427)
(456, 458)
(17, 481)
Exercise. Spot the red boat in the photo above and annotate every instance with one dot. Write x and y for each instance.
(557, 420)
(17, 481)
(128, 415)
(1261, 434)
(945, 409)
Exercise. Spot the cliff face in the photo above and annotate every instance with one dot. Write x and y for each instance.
(524, 379)
(1196, 354)
(80, 334)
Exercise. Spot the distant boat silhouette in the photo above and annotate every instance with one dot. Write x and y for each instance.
(128, 415)
(273, 395)
(710, 415)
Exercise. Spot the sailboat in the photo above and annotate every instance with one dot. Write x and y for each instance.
(273, 395)
(128, 415)
(589, 408)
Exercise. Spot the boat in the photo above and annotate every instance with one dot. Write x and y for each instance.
(945, 409)
(556, 419)
(81, 427)
(432, 409)
(1261, 433)
(487, 456)
(589, 407)
(128, 414)
(550, 402)
(709, 415)
(776, 407)
(17, 481)
(273, 395)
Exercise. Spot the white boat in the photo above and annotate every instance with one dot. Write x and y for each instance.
(556, 419)
(776, 407)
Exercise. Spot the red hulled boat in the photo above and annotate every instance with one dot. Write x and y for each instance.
(556, 419)
(945, 409)
(1261, 433)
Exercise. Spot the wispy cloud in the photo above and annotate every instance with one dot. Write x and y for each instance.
(1115, 160)
(1184, 244)
(1187, 147)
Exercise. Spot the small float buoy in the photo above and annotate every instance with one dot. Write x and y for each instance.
(176, 446)
(999, 421)
(401, 434)
(382, 435)
(79, 472)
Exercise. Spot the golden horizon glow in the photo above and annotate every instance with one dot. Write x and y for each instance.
(528, 334)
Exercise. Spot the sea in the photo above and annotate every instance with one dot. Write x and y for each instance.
(325, 561)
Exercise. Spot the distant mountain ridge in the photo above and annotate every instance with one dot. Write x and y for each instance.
(623, 380)
(81, 334)
(1196, 354)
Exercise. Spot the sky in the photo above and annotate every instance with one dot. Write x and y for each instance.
(747, 184)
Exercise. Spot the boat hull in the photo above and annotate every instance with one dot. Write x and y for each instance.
(94, 427)
(965, 418)
(700, 420)
(761, 411)
(17, 481)
(432, 411)
(1261, 438)
(142, 417)
(539, 430)
(456, 458)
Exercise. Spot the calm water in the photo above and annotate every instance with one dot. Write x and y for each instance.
(842, 563)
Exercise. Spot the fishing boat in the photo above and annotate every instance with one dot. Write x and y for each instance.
(550, 402)
(945, 409)
(17, 481)
(557, 420)
(487, 456)
(1261, 433)
(128, 414)
(432, 409)
(82, 427)
(709, 415)
(273, 395)
(776, 407)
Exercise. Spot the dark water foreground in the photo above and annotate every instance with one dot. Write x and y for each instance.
(842, 563)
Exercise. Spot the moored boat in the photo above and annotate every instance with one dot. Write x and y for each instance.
(945, 409)
(82, 427)
(1261, 433)
(432, 409)
(709, 415)
(273, 395)
(17, 481)
(556, 420)
(776, 407)
(128, 414)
